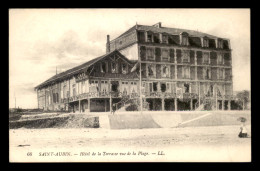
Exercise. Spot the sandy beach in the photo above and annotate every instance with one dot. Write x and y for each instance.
(215, 143)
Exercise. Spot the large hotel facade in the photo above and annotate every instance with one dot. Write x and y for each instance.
(180, 70)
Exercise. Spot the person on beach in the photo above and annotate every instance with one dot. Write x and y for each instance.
(243, 131)
(113, 109)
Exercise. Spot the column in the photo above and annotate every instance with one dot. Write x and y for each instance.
(191, 104)
(216, 94)
(229, 105)
(79, 107)
(175, 61)
(110, 97)
(175, 104)
(163, 102)
(37, 99)
(199, 93)
(110, 102)
(195, 58)
(145, 36)
(223, 102)
(88, 104)
(160, 37)
(105, 105)
(153, 104)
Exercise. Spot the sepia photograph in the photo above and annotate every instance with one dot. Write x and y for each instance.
(129, 85)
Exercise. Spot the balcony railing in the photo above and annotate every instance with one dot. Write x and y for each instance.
(128, 96)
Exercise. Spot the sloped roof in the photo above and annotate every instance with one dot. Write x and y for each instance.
(172, 31)
(79, 68)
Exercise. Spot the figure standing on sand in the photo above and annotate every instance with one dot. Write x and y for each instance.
(113, 109)
(243, 130)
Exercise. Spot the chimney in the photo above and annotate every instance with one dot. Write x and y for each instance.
(158, 25)
(108, 44)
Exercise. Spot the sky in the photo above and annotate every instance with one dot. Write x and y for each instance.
(41, 40)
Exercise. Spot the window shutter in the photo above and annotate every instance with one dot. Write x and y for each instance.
(158, 71)
(157, 54)
(172, 55)
(143, 53)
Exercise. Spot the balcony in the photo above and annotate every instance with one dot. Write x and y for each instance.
(128, 96)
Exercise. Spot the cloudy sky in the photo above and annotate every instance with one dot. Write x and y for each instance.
(42, 39)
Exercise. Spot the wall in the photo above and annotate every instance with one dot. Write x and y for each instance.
(130, 52)
(123, 41)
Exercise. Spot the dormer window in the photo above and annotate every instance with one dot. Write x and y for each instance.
(205, 42)
(184, 37)
(220, 43)
(124, 68)
(185, 40)
(149, 37)
(113, 67)
(156, 38)
(164, 39)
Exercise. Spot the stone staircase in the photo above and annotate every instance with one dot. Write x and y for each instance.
(127, 101)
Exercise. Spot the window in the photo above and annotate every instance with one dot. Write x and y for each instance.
(96, 82)
(150, 53)
(163, 87)
(124, 68)
(186, 88)
(186, 72)
(156, 38)
(207, 73)
(151, 87)
(151, 70)
(64, 91)
(164, 39)
(185, 40)
(206, 57)
(74, 89)
(54, 98)
(141, 36)
(165, 55)
(205, 42)
(220, 58)
(113, 67)
(185, 56)
(83, 87)
(220, 43)
(220, 73)
(165, 71)
(155, 86)
(57, 97)
(211, 90)
(103, 67)
(149, 37)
